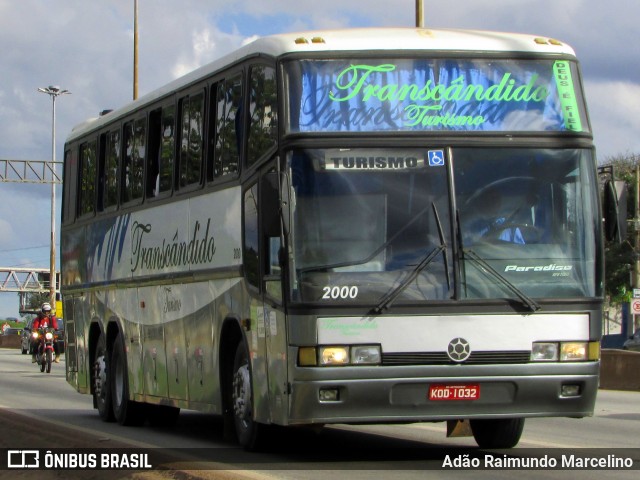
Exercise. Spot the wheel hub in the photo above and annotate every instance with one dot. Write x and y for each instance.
(100, 376)
(241, 397)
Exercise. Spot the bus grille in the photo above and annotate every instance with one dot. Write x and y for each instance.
(441, 358)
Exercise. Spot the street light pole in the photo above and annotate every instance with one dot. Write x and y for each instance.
(53, 92)
(135, 49)
(420, 13)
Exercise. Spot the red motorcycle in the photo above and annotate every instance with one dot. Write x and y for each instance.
(44, 353)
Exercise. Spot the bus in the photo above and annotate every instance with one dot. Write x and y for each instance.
(341, 227)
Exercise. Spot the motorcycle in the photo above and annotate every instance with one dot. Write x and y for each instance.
(44, 338)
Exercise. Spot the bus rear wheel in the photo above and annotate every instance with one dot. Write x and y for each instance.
(102, 382)
(497, 433)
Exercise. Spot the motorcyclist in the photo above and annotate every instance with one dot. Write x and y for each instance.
(44, 319)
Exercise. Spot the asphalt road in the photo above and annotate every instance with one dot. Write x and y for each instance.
(43, 411)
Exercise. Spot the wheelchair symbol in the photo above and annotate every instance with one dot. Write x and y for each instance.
(436, 158)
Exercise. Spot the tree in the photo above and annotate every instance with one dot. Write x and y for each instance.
(35, 300)
(620, 257)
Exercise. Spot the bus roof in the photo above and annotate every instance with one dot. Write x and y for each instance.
(351, 40)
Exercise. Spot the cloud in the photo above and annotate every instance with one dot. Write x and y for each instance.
(7, 234)
(614, 108)
(206, 46)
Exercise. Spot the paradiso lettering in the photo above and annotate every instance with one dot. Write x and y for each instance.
(200, 249)
(458, 96)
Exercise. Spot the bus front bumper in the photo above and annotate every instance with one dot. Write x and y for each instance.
(518, 391)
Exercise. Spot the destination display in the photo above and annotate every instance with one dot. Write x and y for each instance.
(434, 95)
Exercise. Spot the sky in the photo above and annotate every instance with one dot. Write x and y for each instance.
(86, 47)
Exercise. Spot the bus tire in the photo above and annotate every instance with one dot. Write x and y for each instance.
(102, 382)
(497, 433)
(125, 411)
(241, 392)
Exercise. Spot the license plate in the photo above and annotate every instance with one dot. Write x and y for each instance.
(454, 392)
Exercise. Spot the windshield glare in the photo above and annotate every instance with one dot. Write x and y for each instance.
(369, 223)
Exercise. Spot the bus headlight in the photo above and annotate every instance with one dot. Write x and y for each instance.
(544, 352)
(337, 355)
(334, 355)
(573, 351)
(365, 355)
(565, 351)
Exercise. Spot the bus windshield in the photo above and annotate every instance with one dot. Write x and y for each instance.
(437, 94)
(373, 223)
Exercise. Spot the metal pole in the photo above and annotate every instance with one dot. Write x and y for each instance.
(636, 263)
(52, 265)
(420, 13)
(53, 92)
(135, 49)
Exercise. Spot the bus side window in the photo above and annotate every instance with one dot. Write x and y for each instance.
(263, 112)
(111, 168)
(167, 148)
(191, 138)
(88, 172)
(251, 245)
(226, 134)
(68, 191)
(161, 151)
(270, 218)
(153, 159)
(133, 171)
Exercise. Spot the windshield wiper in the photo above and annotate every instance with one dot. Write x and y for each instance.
(388, 299)
(488, 270)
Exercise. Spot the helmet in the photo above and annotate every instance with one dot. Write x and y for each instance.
(46, 308)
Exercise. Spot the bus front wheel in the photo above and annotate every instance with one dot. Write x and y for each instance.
(125, 411)
(247, 429)
(497, 433)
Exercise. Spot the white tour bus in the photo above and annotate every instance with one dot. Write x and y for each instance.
(359, 226)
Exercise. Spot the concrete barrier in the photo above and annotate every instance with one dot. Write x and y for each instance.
(10, 341)
(620, 370)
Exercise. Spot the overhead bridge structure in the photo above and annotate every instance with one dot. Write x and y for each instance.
(28, 280)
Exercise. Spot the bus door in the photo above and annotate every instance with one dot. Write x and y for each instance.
(267, 339)
(275, 319)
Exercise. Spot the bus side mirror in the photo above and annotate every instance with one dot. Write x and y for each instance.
(270, 205)
(610, 211)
